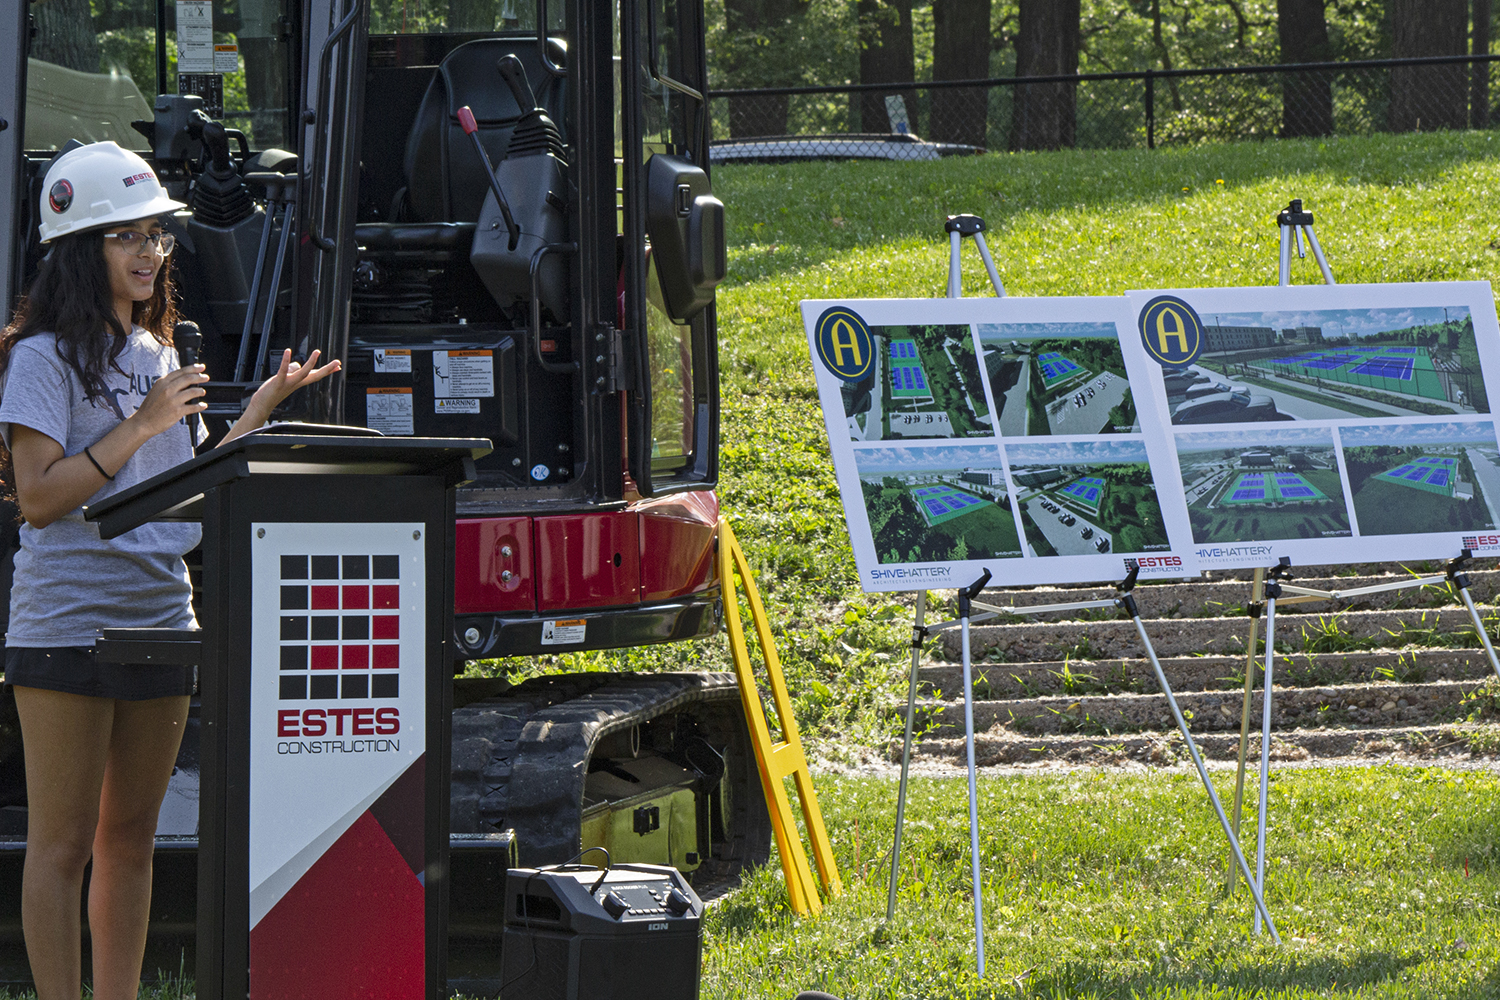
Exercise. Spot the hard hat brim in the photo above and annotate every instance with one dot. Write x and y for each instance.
(155, 207)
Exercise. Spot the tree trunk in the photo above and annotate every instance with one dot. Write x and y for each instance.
(1306, 98)
(1428, 97)
(887, 54)
(65, 36)
(960, 51)
(747, 66)
(1479, 96)
(1046, 45)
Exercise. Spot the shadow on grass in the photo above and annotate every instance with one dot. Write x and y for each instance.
(1330, 976)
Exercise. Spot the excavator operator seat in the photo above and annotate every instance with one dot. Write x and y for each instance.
(444, 176)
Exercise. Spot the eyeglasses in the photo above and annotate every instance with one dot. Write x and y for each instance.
(134, 243)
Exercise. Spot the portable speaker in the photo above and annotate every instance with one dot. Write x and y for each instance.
(578, 933)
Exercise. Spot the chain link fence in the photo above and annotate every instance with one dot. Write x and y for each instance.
(923, 121)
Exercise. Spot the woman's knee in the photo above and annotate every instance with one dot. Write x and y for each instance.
(125, 839)
(62, 854)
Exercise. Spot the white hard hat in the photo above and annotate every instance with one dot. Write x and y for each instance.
(99, 185)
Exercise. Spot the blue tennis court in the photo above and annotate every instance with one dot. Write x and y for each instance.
(1296, 492)
(1090, 481)
(1396, 368)
(904, 349)
(948, 504)
(1252, 481)
(1329, 361)
(1056, 368)
(1401, 350)
(930, 491)
(1249, 495)
(1433, 473)
(1289, 480)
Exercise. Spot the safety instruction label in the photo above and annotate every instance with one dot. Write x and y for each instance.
(392, 362)
(455, 406)
(195, 37)
(226, 58)
(389, 411)
(463, 373)
(563, 631)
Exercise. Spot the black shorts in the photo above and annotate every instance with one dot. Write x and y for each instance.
(75, 670)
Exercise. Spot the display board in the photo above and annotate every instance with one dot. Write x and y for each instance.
(1326, 423)
(1000, 434)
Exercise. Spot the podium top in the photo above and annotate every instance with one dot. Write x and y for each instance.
(177, 494)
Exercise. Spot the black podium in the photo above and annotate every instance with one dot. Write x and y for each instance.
(324, 672)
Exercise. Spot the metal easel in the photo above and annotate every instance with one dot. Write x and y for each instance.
(1279, 583)
(1123, 600)
(958, 226)
(1296, 225)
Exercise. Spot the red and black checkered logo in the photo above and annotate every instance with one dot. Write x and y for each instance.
(1471, 542)
(340, 627)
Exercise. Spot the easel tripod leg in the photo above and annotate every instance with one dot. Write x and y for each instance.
(1257, 594)
(973, 797)
(1484, 635)
(1213, 796)
(1265, 754)
(911, 709)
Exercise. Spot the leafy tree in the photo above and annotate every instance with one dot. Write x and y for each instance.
(1307, 100)
(1428, 97)
(959, 52)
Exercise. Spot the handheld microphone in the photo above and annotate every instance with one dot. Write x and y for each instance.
(188, 340)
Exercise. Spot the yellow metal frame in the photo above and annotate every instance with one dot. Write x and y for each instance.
(775, 760)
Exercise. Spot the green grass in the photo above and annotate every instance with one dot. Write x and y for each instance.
(1384, 882)
(1101, 885)
(1403, 208)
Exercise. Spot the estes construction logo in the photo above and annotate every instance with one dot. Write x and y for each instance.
(1481, 543)
(1155, 565)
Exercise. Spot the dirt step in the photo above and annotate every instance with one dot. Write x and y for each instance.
(1033, 641)
(1342, 705)
(1167, 747)
(1201, 673)
(1208, 599)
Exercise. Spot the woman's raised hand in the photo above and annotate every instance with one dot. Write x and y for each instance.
(289, 377)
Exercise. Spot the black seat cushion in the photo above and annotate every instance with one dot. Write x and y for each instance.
(444, 176)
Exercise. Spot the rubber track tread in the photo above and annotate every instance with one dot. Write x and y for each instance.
(520, 759)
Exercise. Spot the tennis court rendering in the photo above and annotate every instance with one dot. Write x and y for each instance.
(1056, 369)
(1271, 487)
(1432, 473)
(944, 503)
(908, 380)
(1086, 492)
(1407, 370)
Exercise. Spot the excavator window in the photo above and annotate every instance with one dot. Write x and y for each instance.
(95, 69)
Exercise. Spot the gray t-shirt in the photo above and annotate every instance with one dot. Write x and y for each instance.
(70, 583)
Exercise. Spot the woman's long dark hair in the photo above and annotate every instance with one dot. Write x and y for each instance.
(71, 298)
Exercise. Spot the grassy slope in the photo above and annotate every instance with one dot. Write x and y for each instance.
(1094, 891)
(1403, 208)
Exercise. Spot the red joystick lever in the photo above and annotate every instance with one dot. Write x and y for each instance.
(471, 129)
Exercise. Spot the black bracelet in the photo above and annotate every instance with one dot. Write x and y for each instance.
(91, 458)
